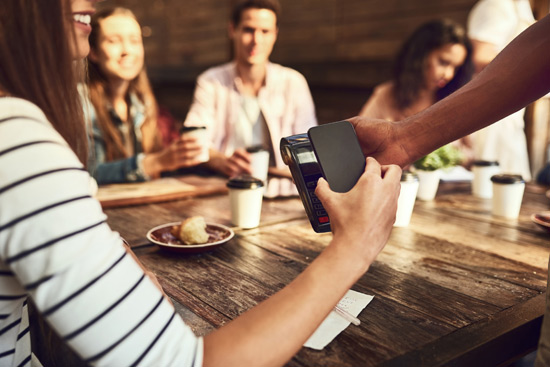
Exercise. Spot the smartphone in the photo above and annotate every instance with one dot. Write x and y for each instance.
(339, 154)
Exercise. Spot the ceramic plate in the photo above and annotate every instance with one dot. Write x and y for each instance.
(542, 219)
(161, 236)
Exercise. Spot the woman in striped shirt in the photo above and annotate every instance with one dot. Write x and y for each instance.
(56, 248)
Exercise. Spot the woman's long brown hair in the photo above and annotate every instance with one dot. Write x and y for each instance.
(36, 63)
(408, 74)
(99, 96)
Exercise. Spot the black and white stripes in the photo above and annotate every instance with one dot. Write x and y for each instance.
(56, 247)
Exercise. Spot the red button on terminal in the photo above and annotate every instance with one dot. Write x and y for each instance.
(323, 219)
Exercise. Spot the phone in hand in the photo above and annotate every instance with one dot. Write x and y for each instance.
(338, 153)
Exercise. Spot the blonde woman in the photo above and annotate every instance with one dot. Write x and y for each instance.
(122, 109)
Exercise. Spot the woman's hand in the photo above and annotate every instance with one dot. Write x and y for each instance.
(363, 217)
(362, 220)
(180, 154)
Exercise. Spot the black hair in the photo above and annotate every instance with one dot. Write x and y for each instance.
(241, 6)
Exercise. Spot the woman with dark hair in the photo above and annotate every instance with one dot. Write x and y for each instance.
(56, 248)
(435, 61)
(127, 144)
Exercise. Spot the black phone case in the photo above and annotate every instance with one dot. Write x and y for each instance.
(339, 154)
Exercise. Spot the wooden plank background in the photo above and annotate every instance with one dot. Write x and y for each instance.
(344, 48)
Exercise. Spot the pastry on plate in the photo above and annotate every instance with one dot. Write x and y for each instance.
(191, 231)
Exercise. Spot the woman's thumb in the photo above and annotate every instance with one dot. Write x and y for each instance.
(323, 189)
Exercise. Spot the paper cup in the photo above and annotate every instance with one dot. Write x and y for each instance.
(507, 195)
(428, 184)
(200, 133)
(407, 198)
(482, 186)
(260, 162)
(245, 199)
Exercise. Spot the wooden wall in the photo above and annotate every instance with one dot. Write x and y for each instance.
(344, 48)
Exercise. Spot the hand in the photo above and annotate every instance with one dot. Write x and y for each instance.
(379, 139)
(181, 153)
(231, 166)
(363, 217)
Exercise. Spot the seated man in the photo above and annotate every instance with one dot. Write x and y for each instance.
(251, 101)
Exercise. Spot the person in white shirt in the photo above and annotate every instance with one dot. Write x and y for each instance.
(251, 101)
(56, 248)
(492, 24)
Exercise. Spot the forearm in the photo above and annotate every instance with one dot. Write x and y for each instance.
(519, 75)
(272, 332)
(152, 165)
(119, 171)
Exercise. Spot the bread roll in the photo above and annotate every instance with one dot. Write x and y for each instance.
(191, 231)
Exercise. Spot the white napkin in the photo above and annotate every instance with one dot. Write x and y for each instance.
(353, 302)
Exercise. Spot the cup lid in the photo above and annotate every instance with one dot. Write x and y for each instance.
(507, 179)
(408, 176)
(481, 163)
(255, 149)
(244, 182)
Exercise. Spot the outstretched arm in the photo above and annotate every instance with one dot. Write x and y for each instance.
(271, 333)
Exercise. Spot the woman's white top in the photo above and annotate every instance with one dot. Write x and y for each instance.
(56, 247)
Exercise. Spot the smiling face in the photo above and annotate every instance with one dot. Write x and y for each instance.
(254, 37)
(119, 51)
(441, 65)
(82, 11)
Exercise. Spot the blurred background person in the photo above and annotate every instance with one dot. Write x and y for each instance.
(492, 24)
(432, 63)
(122, 110)
(251, 101)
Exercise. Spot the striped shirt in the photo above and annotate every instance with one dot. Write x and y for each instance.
(56, 247)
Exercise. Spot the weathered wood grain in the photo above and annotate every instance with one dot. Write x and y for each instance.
(455, 287)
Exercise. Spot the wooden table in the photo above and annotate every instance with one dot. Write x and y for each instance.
(457, 287)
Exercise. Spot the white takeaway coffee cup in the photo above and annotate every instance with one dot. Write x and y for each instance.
(428, 184)
(407, 198)
(200, 133)
(482, 186)
(507, 195)
(259, 164)
(245, 200)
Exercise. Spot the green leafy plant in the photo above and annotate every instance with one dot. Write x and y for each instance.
(444, 157)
